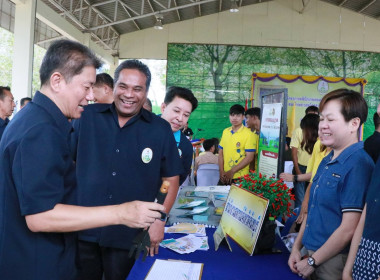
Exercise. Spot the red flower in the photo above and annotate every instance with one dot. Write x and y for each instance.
(275, 190)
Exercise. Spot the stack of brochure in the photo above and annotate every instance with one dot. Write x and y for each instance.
(195, 240)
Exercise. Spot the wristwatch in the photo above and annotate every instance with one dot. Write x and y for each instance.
(311, 262)
(295, 178)
(164, 217)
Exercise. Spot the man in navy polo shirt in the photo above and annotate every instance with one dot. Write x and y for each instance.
(37, 175)
(338, 190)
(123, 153)
(7, 106)
(178, 105)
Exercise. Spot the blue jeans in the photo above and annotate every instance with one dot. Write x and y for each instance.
(299, 188)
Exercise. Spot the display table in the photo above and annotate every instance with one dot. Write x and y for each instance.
(223, 264)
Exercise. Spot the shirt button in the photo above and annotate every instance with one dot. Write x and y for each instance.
(117, 150)
(312, 205)
(110, 196)
(317, 186)
(113, 173)
(327, 167)
(375, 199)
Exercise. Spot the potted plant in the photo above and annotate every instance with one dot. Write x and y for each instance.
(279, 196)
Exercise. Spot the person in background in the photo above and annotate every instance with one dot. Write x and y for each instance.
(372, 143)
(24, 101)
(338, 190)
(236, 149)
(103, 89)
(39, 215)
(301, 156)
(7, 106)
(187, 131)
(319, 152)
(253, 116)
(209, 156)
(148, 105)
(127, 163)
(363, 260)
(178, 105)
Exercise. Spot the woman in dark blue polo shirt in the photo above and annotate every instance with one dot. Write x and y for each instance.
(338, 190)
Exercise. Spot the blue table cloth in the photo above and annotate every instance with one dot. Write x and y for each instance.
(224, 264)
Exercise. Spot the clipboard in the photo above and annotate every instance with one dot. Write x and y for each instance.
(175, 270)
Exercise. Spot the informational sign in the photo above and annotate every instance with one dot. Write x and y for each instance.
(269, 143)
(242, 219)
(303, 91)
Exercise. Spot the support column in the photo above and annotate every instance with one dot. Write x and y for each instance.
(114, 65)
(22, 68)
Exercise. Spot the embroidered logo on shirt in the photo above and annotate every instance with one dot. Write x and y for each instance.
(180, 153)
(147, 155)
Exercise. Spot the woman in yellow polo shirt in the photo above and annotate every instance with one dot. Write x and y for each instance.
(302, 144)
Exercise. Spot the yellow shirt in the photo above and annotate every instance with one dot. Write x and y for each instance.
(257, 137)
(316, 158)
(235, 145)
(303, 156)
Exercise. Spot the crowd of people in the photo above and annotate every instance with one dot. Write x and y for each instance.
(78, 182)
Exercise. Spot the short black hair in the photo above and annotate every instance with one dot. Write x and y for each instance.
(183, 93)
(25, 99)
(311, 109)
(104, 79)
(68, 58)
(237, 109)
(137, 65)
(2, 92)
(255, 111)
(376, 120)
(208, 144)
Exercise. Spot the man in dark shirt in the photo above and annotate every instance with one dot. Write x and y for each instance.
(37, 175)
(122, 154)
(103, 89)
(178, 105)
(24, 101)
(7, 106)
(372, 143)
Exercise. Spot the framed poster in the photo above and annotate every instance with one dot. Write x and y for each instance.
(242, 218)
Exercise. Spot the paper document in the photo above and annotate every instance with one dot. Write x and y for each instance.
(175, 270)
(219, 189)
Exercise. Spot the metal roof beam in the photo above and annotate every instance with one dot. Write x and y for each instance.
(366, 6)
(178, 15)
(154, 13)
(128, 13)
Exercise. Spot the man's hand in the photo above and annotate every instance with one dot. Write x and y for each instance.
(229, 175)
(303, 212)
(138, 214)
(222, 176)
(287, 177)
(304, 269)
(294, 257)
(156, 233)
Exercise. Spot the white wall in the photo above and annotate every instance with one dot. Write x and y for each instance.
(275, 23)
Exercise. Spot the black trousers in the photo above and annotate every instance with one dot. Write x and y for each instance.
(94, 261)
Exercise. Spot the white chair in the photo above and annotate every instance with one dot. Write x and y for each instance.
(207, 175)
